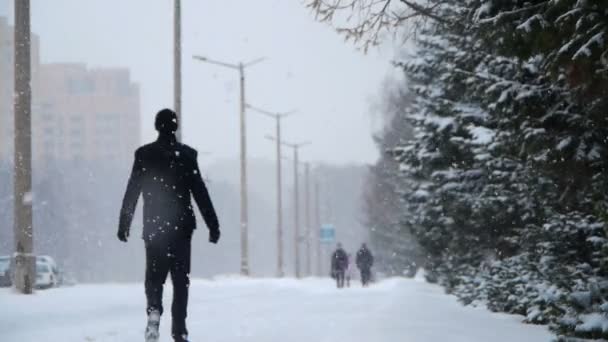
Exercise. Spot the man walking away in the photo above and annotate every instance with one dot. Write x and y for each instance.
(339, 262)
(167, 174)
(365, 261)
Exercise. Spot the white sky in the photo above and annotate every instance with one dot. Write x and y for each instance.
(309, 68)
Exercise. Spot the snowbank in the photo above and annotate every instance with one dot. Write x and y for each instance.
(237, 309)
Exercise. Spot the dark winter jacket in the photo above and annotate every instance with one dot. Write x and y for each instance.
(167, 174)
(365, 259)
(339, 260)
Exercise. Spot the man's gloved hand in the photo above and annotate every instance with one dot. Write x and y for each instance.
(123, 234)
(214, 235)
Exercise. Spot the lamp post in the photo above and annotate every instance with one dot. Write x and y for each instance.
(278, 117)
(297, 237)
(240, 67)
(307, 221)
(177, 63)
(24, 275)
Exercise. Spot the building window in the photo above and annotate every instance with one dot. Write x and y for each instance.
(80, 86)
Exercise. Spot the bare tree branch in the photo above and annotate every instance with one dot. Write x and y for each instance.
(365, 21)
(425, 11)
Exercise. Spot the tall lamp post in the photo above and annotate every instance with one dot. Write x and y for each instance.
(177, 63)
(308, 233)
(240, 67)
(297, 235)
(24, 271)
(317, 228)
(278, 117)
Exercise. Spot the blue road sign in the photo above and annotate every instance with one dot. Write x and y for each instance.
(327, 233)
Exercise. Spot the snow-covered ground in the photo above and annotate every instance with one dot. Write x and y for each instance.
(264, 310)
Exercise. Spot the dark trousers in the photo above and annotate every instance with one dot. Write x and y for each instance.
(366, 276)
(339, 278)
(163, 258)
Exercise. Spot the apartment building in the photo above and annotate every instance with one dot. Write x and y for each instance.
(85, 114)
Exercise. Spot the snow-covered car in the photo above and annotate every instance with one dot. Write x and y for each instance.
(45, 277)
(5, 271)
(47, 260)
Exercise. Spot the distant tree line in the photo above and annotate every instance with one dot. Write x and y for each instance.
(503, 185)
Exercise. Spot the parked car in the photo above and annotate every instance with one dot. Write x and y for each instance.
(5, 271)
(45, 276)
(49, 261)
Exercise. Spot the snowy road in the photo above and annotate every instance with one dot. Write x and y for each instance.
(231, 310)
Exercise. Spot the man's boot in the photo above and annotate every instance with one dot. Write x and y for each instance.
(152, 333)
(181, 338)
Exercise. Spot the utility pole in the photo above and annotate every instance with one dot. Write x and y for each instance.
(317, 228)
(297, 233)
(243, 143)
(308, 233)
(328, 210)
(244, 187)
(278, 117)
(177, 64)
(297, 212)
(297, 236)
(24, 271)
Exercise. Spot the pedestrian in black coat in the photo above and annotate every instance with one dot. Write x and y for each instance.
(166, 173)
(339, 263)
(365, 261)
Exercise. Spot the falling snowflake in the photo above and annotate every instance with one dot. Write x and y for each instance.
(28, 198)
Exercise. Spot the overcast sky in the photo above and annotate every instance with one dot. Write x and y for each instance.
(309, 68)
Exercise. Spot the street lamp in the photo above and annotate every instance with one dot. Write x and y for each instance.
(240, 67)
(277, 117)
(24, 275)
(177, 63)
(298, 238)
(318, 226)
(307, 216)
